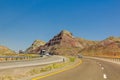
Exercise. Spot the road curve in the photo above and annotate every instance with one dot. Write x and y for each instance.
(90, 70)
(48, 60)
(112, 70)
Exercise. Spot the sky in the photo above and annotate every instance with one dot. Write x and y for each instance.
(23, 21)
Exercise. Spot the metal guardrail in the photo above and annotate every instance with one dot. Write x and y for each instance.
(115, 60)
(16, 58)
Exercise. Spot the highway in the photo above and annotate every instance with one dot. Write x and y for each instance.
(41, 61)
(90, 69)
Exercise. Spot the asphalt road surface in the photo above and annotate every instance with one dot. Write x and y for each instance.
(90, 70)
(43, 61)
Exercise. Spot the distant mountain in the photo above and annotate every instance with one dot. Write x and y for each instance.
(34, 48)
(65, 43)
(86, 43)
(6, 51)
(107, 47)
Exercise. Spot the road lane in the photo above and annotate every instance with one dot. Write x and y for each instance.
(88, 70)
(112, 70)
(51, 59)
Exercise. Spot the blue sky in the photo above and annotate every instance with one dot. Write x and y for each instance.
(23, 21)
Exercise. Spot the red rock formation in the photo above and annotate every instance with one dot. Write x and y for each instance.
(107, 47)
(63, 43)
(66, 44)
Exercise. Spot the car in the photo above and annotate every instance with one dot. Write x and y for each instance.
(47, 54)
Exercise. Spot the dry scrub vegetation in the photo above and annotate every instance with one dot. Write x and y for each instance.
(18, 73)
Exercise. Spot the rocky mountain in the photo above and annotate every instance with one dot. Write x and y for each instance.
(64, 38)
(34, 48)
(65, 43)
(6, 51)
(107, 47)
(86, 43)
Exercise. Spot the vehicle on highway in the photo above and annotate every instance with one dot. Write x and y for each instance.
(47, 54)
(44, 53)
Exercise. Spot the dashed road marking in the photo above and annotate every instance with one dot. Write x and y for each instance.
(100, 64)
(104, 76)
(102, 68)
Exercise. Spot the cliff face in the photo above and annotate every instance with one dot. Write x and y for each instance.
(107, 47)
(65, 43)
(64, 38)
(34, 48)
(6, 51)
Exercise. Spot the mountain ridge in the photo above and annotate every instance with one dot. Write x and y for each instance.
(6, 51)
(64, 43)
(35, 46)
(107, 47)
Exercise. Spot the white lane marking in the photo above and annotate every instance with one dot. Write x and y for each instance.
(102, 68)
(104, 76)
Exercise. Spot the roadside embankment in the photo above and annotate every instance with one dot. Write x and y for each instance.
(33, 72)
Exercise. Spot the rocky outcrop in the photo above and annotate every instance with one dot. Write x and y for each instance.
(107, 47)
(6, 51)
(64, 38)
(65, 43)
(35, 47)
(86, 43)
